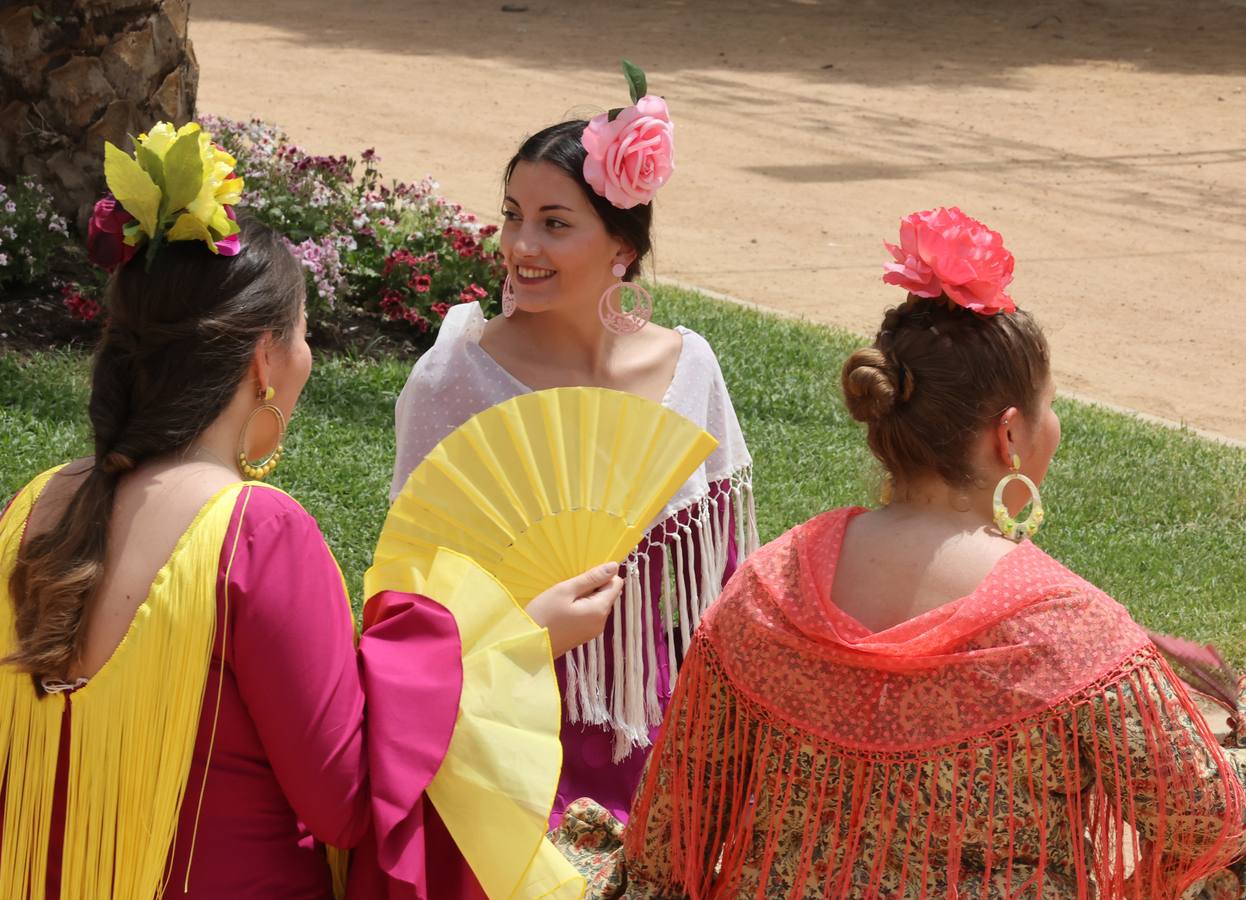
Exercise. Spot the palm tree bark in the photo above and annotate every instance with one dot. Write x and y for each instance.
(75, 74)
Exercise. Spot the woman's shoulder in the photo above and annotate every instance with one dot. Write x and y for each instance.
(259, 507)
(444, 362)
(695, 348)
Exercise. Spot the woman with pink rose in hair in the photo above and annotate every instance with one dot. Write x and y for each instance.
(915, 701)
(577, 213)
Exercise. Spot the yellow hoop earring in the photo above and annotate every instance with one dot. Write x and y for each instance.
(261, 469)
(1007, 525)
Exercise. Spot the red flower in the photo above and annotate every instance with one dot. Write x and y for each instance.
(106, 244)
(441, 309)
(392, 306)
(488, 231)
(943, 252)
(80, 307)
(421, 284)
(413, 317)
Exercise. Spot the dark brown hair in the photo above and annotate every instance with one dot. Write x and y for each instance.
(559, 145)
(935, 377)
(178, 342)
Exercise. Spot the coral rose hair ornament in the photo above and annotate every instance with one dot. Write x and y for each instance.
(945, 253)
(178, 186)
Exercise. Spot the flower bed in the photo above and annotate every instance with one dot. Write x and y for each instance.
(384, 261)
(397, 250)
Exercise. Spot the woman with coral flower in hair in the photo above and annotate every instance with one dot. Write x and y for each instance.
(915, 700)
(577, 213)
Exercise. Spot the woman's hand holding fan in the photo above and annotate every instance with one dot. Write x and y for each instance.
(575, 611)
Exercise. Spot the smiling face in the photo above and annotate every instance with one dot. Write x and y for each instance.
(556, 247)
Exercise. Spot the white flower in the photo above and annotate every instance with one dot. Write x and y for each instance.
(10, 207)
(4, 259)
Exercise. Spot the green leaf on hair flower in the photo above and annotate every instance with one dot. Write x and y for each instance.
(183, 173)
(613, 114)
(636, 81)
(134, 189)
(151, 163)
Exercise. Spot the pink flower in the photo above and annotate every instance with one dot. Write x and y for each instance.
(421, 284)
(106, 244)
(944, 252)
(630, 158)
(232, 245)
(441, 309)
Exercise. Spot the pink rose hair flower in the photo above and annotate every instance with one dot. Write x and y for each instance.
(631, 151)
(630, 158)
(943, 252)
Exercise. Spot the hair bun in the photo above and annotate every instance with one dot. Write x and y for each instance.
(874, 385)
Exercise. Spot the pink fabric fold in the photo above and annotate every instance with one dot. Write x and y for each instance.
(411, 660)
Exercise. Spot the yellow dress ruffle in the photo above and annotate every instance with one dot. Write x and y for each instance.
(495, 787)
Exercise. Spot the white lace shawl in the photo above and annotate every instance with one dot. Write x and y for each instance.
(457, 378)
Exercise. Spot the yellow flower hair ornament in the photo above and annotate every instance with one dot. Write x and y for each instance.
(178, 186)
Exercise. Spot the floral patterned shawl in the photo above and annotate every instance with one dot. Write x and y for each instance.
(1024, 740)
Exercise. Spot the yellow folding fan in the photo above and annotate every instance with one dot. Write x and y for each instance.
(545, 486)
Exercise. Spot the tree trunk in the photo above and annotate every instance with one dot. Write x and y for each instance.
(75, 74)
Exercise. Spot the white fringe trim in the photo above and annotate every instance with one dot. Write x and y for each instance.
(629, 704)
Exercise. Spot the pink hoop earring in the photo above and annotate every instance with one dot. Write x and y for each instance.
(508, 297)
(621, 320)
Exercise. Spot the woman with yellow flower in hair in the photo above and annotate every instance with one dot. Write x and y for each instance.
(181, 698)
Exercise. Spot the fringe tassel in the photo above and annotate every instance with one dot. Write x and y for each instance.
(1116, 793)
(689, 551)
(133, 733)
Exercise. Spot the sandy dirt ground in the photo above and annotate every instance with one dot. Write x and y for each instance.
(1105, 139)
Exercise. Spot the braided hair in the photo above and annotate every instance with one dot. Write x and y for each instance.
(178, 342)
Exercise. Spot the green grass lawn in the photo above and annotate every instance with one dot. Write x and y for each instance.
(1154, 517)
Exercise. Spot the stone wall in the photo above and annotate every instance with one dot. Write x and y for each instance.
(74, 74)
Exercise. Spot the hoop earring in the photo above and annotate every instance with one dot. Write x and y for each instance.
(1007, 525)
(261, 469)
(623, 321)
(509, 305)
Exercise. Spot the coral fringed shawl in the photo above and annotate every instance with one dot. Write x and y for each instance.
(1024, 740)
